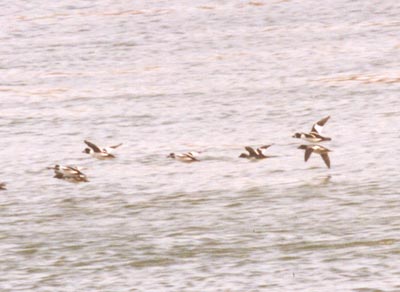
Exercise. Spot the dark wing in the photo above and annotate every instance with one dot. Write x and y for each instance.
(76, 174)
(190, 156)
(325, 157)
(265, 146)
(67, 171)
(262, 150)
(93, 146)
(318, 126)
(251, 151)
(75, 169)
(307, 154)
(116, 146)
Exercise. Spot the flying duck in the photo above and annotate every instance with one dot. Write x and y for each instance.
(259, 153)
(315, 135)
(69, 173)
(318, 149)
(184, 157)
(3, 186)
(100, 153)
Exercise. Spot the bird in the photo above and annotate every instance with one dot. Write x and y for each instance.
(100, 153)
(315, 136)
(69, 173)
(259, 153)
(185, 157)
(3, 186)
(318, 149)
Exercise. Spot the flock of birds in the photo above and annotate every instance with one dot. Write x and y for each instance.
(75, 174)
(314, 136)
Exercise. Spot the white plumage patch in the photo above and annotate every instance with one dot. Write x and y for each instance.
(318, 128)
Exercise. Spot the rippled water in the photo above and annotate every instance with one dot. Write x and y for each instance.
(211, 76)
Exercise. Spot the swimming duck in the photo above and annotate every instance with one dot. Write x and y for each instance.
(259, 153)
(3, 186)
(100, 153)
(185, 157)
(69, 173)
(315, 135)
(318, 149)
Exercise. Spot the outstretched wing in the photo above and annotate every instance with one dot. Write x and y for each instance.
(251, 151)
(325, 157)
(307, 154)
(319, 126)
(93, 146)
(115, 146)
(191, 156)
(75, 170)
(262, 149)
(186, 157)
(69, 171)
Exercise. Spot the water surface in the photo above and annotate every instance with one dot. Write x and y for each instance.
(211, 76)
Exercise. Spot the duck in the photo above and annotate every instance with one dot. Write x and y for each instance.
(98, 152)
(315, 136)
(69, 173)
(259, 153)
(185, 157)
(318, 149)
(3, 186)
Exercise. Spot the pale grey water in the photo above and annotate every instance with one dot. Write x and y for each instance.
(170, 76)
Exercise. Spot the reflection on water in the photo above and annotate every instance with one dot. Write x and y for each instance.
(164, 77)
(319, 180)
(326, 179)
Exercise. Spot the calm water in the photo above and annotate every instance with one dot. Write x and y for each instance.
(211, 76)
